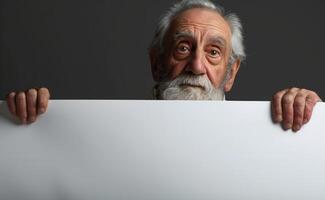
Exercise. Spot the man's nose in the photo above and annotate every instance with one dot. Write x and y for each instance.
(196, 65)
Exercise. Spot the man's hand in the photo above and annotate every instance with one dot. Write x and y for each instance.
(293, 107)
(28, 105)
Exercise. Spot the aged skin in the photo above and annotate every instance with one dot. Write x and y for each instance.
(198, 42)
(28, 105)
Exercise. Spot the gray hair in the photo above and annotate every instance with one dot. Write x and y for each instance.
(238, 50)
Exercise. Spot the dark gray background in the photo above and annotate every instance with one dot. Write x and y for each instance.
(98, 48)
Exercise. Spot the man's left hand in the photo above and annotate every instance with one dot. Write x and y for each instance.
(293, 107)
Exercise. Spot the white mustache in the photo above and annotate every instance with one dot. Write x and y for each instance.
(173, 89)
(192, 80)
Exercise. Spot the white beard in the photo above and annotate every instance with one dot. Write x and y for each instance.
(189, 87)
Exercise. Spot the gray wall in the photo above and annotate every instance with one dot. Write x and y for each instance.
(98, 48)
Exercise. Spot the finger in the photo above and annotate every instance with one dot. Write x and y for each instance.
(299, 109)
(42, 99)
(287, 109)
(21, 107)
(310, 104)
(31, 105)
(277, 106)
(11, 101)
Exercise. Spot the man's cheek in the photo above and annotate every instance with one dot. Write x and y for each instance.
(176, 68)
(213, 77)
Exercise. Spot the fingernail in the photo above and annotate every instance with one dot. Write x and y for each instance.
(287, 126)
(32, 119)
(276, 119)
(296, 128)
(23, 121)
(41, 110)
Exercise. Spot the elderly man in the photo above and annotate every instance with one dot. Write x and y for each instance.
(195, 55)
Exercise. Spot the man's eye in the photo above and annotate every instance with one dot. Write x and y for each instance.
(214, 53)
(183, 49)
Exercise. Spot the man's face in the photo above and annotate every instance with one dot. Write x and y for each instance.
(198, 44)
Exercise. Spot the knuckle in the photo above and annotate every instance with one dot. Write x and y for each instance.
(43, 90)
(288, 112)
(298, 111)
(309, 106)
(298, 118)
(312, 93)
(288, 120)
(276, 107)
(31, 93)
(294, 89)
(299, 102)
(303, 90)
(31, 109)
(21, 96)
(42, 104)
(287, 99)
(301, 95)
(22, 115)
(288, 116)
(277, 97)
(43, 93)
(11, 94)
(311, 100)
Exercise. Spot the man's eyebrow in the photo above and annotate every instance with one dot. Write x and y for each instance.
(211, 40)
(217, 40)
(183, 34)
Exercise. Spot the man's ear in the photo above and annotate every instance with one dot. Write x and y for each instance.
(155, 64)
(232, 76)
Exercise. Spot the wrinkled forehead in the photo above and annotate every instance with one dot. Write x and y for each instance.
(208, 23)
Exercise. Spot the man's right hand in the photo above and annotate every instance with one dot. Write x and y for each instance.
(28, 105)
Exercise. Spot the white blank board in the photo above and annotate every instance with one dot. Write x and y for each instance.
(168, 150)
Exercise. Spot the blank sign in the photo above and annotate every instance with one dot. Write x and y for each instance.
(168, 150)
